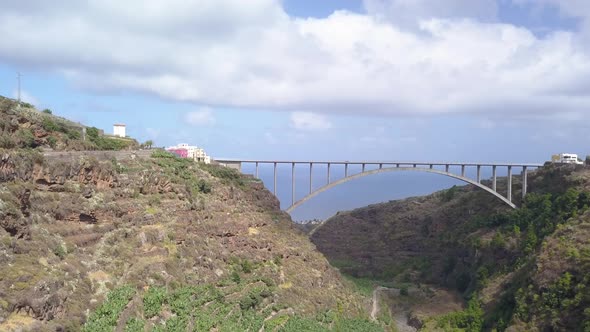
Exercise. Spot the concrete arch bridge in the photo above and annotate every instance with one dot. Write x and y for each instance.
(371, 168)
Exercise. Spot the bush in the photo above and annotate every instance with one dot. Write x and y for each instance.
(73, 134)
(7, 142)
(92, 133)
(449, 194)
(52, 141)
(59, 251)
(470, 319)
(403, 290)
(49, 125)
(135, 325)
(47, 111)
(203, 186)
(153, 300)
(25, 138)
(227, 174)
(106, 315)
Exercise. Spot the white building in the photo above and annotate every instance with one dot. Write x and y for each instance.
(193, 152)
(119, 130)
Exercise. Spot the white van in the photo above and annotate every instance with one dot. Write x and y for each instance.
(567, 158)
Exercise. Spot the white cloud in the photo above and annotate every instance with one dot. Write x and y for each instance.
(202, 117)
(308, 121)
(233, 53)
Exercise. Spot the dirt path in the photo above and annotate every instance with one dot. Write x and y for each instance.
(376, 307)
(401, 318)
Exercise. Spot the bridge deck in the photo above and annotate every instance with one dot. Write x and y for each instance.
(341, 162)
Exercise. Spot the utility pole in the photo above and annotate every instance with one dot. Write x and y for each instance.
(18, 76)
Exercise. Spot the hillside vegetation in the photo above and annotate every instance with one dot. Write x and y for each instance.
(157, 244)
(518, 270)
(26, 127)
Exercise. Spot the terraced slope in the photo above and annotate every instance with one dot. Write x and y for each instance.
(160, 243)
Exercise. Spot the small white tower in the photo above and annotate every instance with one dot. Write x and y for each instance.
(119, 130)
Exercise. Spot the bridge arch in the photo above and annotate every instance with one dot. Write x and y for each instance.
(392, 169)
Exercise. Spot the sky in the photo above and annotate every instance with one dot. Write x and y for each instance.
(467, 80)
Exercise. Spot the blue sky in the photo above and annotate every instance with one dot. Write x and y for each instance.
(488, 80)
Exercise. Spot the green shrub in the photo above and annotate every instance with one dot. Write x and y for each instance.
(47, 111)
(247, 266)
(203, 186)
(49, 125)
(251, 300)
(26, 138)
(403, 290)
(449, 194)
(73, 134)
(7, 142)
(59, 251)
(135, 325)
(92, 133)
(235, 277)
(106, 315)
(356, 325)
(298, 324)
(229, 175)
(153, 300)
(470, 319)
(498, 241)
(52, 141)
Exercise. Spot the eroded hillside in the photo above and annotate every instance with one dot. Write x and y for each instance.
(160, 243)
(520, 270)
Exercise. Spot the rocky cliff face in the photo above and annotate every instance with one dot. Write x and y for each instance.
(118, 244)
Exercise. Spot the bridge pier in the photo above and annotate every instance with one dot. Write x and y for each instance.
(257, 171)
(447, 168)
(494, 181)
(478, 173)
(310, 170)
(328, 173)
(292, 183)
(524, 181)
(346, 170)
(363, 168)
(509, 194)
(463, 170)
(275, 180)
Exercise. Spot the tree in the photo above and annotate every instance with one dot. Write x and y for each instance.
(47, 111)
(148, 144)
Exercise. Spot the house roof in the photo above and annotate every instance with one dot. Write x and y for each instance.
(119, 125)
